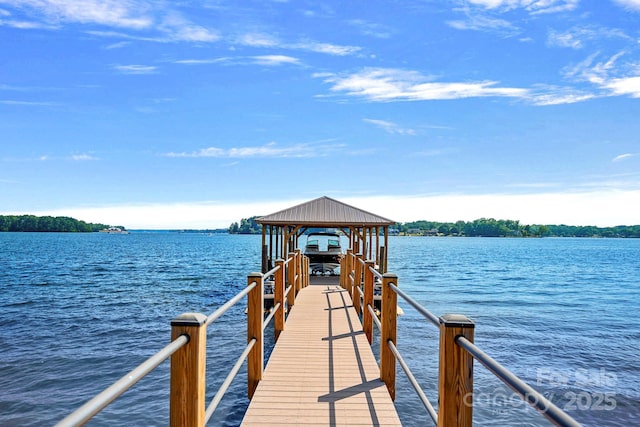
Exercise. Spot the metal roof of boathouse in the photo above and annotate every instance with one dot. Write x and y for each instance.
(324, 211)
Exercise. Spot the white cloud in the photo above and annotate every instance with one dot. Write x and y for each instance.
(624, 86)
(390, 127)
(262, 40)
(531, 6)
(371, 29)
(328, 48)
(624, 157)
(118, 13)
(83, 157)
(608, 75)
(576, 37)
(480, 22)
(385, 84)
(601, 208)
(258, 40)
(136, 69)
(28, 103)
(629, 4)
(135, 15)
(275, 60)
(269, 150)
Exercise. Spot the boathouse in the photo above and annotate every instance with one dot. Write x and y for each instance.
(367, 233)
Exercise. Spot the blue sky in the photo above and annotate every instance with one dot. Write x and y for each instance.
(159, 114)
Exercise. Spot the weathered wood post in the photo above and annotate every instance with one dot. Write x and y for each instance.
(278, 298)
(188, 364)
(357, 281)
(255, 318)
(265, 259)
(367, 319)
(388, 321)
(291, 276)
(455, 376)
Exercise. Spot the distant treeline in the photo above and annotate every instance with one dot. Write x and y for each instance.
(246, 226)
(487, 227)
(47, 224)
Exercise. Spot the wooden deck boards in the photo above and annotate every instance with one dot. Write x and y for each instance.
(322, 371)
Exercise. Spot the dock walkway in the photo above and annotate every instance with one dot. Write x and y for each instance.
(322, 371)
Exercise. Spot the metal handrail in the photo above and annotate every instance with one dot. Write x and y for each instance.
(412, 379)
(100, 401)
(272, 271)
(273, 313)
(227, 382)
(375, 272)
(528, 393)
(286, 291)
(222, 310)
(420, 309)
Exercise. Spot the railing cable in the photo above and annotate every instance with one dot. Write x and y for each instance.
(528, 393)
(272, 271)
(100, 401)
(273, 313)
(420, 309)
(375, 272)
(227, 382)
(226, 306)
(412, 379)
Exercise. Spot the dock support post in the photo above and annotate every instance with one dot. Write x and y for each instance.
(291, 280)
(455, 377)
(278, 298)
(188, 364)
(388, 321)
(298, 270)
(367, 320)
(349, 269)
(255, 318)
(357, 282)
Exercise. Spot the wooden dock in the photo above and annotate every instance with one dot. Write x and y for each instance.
(322, 371)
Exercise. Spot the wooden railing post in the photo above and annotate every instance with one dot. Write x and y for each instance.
(188, 364)
(298, 262)
(455, 377)
(388, 321)
(306, 270)
(278, 298)
(349, 264)
(343, 269)
(357, 281)
(255, 318)
(367, 319)
(291, 276)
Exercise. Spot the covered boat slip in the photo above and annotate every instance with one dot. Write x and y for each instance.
(322, 372)
(281, 231)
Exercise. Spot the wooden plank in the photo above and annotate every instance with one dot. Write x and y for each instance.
(322, 370)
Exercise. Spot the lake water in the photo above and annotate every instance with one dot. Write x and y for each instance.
(78, 311)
